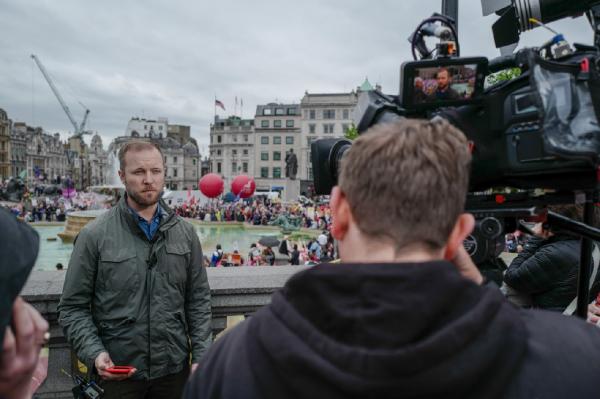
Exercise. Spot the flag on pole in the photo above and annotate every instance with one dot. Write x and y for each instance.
(219, 104)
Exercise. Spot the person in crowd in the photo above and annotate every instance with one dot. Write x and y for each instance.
(269, 256)
(135, 292)
(23, 331)
(547, 268)
(406, 313)
(217, 256)
(295, 256)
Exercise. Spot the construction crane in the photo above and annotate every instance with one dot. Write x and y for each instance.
(79, 129)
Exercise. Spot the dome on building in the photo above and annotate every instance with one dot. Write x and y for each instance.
(190, 149)
(97, 140)
(366, 85)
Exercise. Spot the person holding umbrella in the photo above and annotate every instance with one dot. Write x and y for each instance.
(268, 254)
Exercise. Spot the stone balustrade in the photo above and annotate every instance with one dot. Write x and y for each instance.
(235, 291)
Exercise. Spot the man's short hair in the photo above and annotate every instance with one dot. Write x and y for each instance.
(442, 70)
(136, 145)
(406, 182)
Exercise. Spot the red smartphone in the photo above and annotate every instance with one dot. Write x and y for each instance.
(120, 369)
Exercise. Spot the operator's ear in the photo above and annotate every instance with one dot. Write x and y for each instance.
(121, 175)
(340, 213)
(463, 227)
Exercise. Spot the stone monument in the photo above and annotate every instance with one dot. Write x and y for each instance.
(292, 186)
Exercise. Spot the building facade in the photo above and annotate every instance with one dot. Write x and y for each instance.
(277, 131)
(231, 148)
(18, 153)
(97, 162)
(5, 151)
(180, 151)
(147, 127)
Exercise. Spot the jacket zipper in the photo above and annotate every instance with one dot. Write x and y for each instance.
(149, 284)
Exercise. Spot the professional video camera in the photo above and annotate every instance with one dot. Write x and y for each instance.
(539, 130)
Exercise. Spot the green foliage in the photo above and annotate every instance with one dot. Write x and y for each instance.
(501, 76)
(351, 133)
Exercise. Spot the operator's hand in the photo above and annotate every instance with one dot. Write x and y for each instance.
(466, 267)
(540, 231)
(193, 368)
(593, 314)
(103, 362)
(20, 350)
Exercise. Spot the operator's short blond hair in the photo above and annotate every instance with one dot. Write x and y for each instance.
(406, 182)
(135, 145)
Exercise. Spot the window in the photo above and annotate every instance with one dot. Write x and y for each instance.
(277, 173)
(289, 139)
(233, 167)
(245, 167)
(145, 127)
(346, 114)
(310, 174)
(160, 127)
(245, 152)
(174, 159)
(218, 139)
(312, 114)
(277, 123)
(218, 167)
(264, 123)
(277, 156)
(264, 172)
(276, 139)
(267, 111)
(311, 127)
(246, 138)
(291, 111)
(218, 153)
(235, 138)
(174, 172)
(264, 139)
(234, 153)
(289, 123)
(264, 156)
(174, 186)
(329, 114)
(194, 162)
(328, 128)
(279, 111)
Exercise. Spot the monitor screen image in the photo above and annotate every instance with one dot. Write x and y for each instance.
(441, 84)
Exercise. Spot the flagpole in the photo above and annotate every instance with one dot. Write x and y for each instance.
(215, 104)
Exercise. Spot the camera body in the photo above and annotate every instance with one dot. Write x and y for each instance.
(536, 131)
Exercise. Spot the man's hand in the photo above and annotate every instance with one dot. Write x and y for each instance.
(103, 362)
(466, 267)
(593, 314)
(20, 350)
(193, 368)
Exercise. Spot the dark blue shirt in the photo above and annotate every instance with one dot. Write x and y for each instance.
(148, 228)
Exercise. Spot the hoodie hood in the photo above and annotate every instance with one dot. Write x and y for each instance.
(393, 330)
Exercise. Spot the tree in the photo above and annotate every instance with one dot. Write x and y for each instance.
(351, 133)
(501, 76)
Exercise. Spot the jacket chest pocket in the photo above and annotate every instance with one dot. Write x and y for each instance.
(117, 270)
(174, 262)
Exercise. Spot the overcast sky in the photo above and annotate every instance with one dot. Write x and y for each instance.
(170, 58)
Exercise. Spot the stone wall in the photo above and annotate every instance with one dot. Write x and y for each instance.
(235, 291)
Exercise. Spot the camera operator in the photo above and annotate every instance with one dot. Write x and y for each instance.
(548, 267)
(405, 313)
(23, 331)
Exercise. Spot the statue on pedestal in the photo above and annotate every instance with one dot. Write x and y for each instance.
(291, 165)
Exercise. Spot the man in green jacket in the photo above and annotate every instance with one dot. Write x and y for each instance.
(136, 293)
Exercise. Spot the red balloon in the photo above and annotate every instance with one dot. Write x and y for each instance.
(211, 185)
(243, 186)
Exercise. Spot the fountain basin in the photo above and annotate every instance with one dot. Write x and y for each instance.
(76, 221)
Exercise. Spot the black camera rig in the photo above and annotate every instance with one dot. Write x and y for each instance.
(538, 130)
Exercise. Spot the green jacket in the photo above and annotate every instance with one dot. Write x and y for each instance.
(146, 303)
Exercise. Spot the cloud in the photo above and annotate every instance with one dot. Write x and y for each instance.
(170, 59)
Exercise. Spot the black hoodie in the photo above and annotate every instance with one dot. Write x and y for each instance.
(399, 330)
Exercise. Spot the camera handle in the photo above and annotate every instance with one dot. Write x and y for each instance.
(594, 17)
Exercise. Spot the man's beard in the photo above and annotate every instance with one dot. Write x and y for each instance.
(142, 199)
